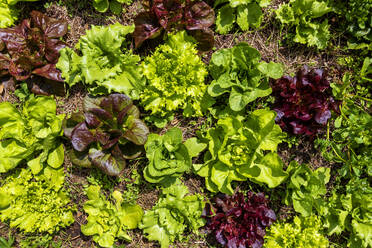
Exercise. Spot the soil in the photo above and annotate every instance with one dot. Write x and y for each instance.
(80, 16)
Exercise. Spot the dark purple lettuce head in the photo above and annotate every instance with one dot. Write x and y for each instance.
(303, 102)
(107, 133)
(239, 222)
(32, 48)
(172, 15)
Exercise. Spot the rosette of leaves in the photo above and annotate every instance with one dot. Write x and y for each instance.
(238, 221)
(108, 221)
(243, 149)
(247, 14)
(303, 102)
(32, 136)
(306, 187)
(174, 213)
(303, 232)
(175, 80)
(239, 73)
(106, 133)
(105, 64)
(304, 18)
(350, 213)
(114, 5)
(32, 49)
(33, 204)
(9, 12)
(194, 16)
(169, 157)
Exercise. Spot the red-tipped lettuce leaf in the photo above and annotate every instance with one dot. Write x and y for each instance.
(107, 133)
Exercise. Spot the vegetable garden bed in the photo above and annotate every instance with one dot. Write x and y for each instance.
(171, 123)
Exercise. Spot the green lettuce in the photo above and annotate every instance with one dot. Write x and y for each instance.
(32, 135)
(175, 80)
(33, 204)
(306, 187)
(175, 212)
(303, 232)
(246, 13)
(303, 17)
(169, 157)
(239, 73)
(105, 65)
(114, 5)
(350, 213)
(243, 149)
(9, 12)
(108, 221)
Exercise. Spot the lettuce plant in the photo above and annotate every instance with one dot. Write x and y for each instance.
(239, 73)
(303, 16)
(303, 102)
(175, 15)
(108, 221)
(32, 135)
(175, 212)
(243, 149)
(169, 157)
(107, 133)
(175, 80)
(32, 204)
(32, 49)
(238, 221)
(303, 232)
(115, 5)
(306, 187)
(9, 12)
(349, 213)
(105, 65)
(356, 16)
(247, 14)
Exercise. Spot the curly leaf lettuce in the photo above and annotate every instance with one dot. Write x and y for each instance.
(175, 80)
(303, 232)
(243, 149)
(302, 16)
(175, 212)
(33, 136)
(33, 204)
(108, 221)
(105, 65)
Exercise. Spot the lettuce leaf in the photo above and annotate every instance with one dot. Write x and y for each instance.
(9, 12)
(32, 135)
(168, 156)
(105, 65)
(108, 221)
(33, 204)
(175, 80)
(243, 149)
(175, 212)
(238, 72)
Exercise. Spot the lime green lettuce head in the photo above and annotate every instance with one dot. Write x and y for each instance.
(175, 80)
(32, 204)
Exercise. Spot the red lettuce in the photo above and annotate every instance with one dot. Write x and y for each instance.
(304, 102)
(239, 222)
(106, 134)
(32, 48)
(170, 15)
